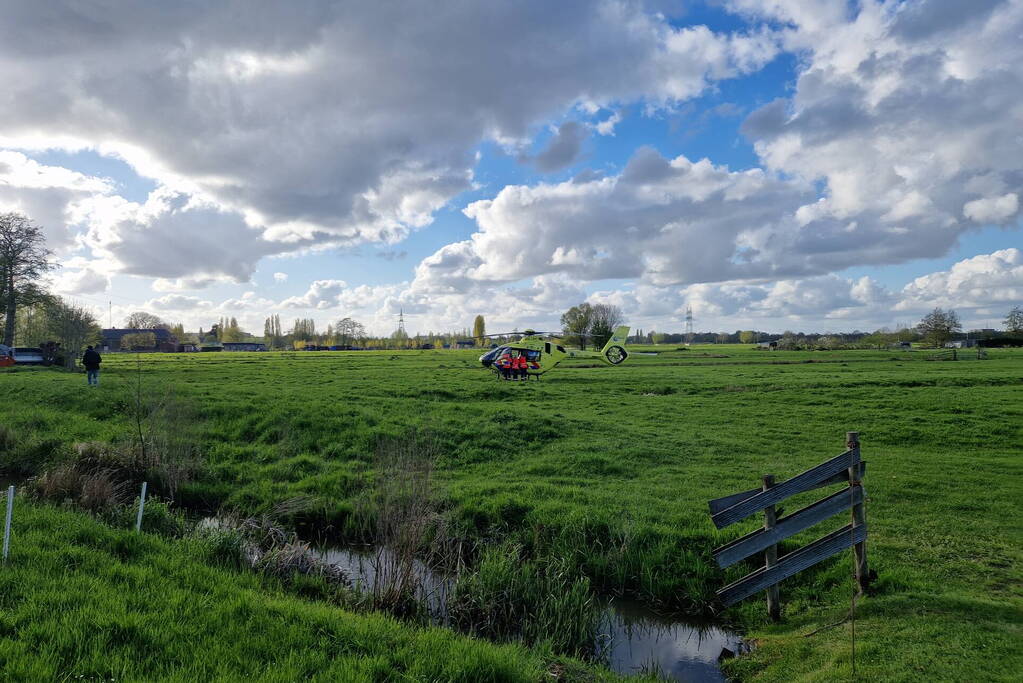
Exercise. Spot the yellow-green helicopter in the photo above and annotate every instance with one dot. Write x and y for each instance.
(543, 351)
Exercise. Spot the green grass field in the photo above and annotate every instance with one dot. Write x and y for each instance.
(608, 470)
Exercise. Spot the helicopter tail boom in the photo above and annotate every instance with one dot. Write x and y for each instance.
(614, 352)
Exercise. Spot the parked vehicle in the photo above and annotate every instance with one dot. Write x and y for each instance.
(25, 355)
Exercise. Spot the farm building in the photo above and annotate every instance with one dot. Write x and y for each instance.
(111, 339)
(465, 344)
(767, 345)
(961, 344)
(244, 346)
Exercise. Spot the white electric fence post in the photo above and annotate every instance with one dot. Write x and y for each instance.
(142, 504)
(7, 522)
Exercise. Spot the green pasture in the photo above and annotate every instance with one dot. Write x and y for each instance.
(81, 601)
(609, 470)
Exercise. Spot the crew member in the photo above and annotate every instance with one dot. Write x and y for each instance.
(519, 364)
(504, 366)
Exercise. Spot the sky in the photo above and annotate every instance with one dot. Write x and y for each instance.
(814, 165)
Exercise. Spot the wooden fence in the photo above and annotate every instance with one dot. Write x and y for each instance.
(846, 468)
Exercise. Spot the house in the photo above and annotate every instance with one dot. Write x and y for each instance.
(111, 339)
(767, 345)
(961, 344)
(244, 346)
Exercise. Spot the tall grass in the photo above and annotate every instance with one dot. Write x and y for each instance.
(507, 596)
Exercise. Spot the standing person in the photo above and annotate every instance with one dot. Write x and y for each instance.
(504, 365)
(91, 360)
(520, 366)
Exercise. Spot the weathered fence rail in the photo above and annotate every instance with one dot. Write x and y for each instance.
(846, 468)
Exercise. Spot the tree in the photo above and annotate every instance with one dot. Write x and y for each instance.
(138, 341)
(231, 332)
(722, 338)
(479, 330)
(747, 337)
(576, 323)
(24, 259)
(348, 331)
(141, 320)
(72, 326)
(605, 319)
(1014, 321)
(938, 326)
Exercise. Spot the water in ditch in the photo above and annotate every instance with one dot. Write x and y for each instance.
(632, 638)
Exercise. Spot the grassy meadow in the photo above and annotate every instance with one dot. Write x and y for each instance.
(604, 471)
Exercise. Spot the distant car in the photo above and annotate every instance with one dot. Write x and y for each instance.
(24, 355)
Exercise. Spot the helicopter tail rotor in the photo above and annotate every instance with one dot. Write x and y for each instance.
(614, 350)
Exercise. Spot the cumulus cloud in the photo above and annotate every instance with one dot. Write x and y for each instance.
(909, 112)
(905, 120)
(81, 281)
(666, 221)
(178, 303)
(321, 294)
(47, 194)
(182, 241)
(973, 282)
(329, 123)
(280, 277)
(992, 209)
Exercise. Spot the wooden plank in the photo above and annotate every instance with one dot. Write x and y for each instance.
(801, 482)
(795, 562)
(725, 502)
(786, 526)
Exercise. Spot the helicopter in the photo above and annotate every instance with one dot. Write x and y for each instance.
(544, 351)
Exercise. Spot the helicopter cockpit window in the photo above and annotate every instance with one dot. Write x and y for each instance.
(561, 348)
(532, 356)
(547, 348)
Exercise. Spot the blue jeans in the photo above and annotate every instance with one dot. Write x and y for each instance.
(93, 377)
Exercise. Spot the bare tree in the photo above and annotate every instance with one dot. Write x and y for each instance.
(140, 320)
(24, 259)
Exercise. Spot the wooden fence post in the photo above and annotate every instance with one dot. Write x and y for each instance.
(7, 521)
(142, 505)
(859, 518)
(771, 555)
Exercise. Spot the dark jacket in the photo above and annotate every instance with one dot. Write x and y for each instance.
(91, 360)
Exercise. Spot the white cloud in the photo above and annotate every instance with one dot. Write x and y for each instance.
(973, 282)
(992, 209)
(329, 124)
(904, 110)
(80, 282)
(280, 277)
(177, 303)
(322, 294)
